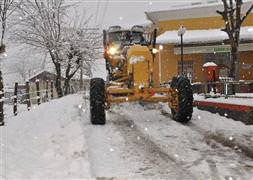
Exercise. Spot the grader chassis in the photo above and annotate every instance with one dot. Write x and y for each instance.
(130, 60)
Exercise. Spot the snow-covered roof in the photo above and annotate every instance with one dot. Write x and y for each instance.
(209, 64)
(40, 72)
(191, 11)
(202, 36)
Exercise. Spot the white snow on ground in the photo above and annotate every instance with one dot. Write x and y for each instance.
(238, 101)
(57, 141)
(118, 151)
(244, 95)
(194, 145)
(45, 143)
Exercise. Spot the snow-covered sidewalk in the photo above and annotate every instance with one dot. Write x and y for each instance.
(46, 143)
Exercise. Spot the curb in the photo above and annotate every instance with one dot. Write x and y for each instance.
(236, 112)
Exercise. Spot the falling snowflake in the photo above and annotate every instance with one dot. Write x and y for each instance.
(231, 138)
(146, 129)
(176, 155)
(111, 149)
(230, 178)
(80, 106)
(138, 138)
(226, 115)
(199, 117)
(132, 126)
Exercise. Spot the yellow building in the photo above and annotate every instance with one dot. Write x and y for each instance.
(203, 42)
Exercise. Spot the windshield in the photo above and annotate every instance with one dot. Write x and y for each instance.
(122, 36)
(137, 37)
(127, 37)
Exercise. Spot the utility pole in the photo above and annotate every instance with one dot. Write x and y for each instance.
(181, 32)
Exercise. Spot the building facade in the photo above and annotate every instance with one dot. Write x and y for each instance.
(203, 42)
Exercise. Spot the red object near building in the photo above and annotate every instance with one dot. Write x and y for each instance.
(211, 72)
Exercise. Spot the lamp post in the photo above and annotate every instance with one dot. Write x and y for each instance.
(181, 32)
(160, 64)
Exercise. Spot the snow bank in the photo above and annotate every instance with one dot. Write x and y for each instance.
(46, 143)
(238, 101)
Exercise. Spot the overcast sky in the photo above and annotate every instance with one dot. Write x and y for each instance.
(125, 12)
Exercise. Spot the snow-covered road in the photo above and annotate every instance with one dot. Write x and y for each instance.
(196, 146)
(57, 141)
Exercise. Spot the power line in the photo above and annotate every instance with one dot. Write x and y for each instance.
(105, 11)
(96, 16)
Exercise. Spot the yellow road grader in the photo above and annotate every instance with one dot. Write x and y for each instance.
(130, 58)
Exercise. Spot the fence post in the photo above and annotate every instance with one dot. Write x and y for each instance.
(28, 101)
(38, 91)
(1, 100)
(15, 100)
(47, 90)
(52, 89)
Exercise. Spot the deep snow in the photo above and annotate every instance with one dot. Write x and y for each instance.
(57, 141)
(46, 143)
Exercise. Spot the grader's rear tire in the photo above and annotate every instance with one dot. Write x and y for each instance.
(97, 101)
(185, 99)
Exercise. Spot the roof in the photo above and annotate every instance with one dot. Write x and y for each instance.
(202, 36)
(190, 12)
(45, 75)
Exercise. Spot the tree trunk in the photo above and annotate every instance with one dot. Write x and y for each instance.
(235, 64)
(1, 100)
(66, 86)
(58, 80)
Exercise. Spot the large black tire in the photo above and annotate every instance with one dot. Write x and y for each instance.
(185, 99)
(97, 101)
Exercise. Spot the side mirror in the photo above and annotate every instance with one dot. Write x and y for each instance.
(104, 38)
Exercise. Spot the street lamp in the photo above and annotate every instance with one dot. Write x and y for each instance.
(160, 64)
(181, 32)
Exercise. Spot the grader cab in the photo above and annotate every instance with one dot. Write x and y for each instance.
(130, 58)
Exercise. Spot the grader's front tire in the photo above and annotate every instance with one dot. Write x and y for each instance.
(185, 99)
(97, 101)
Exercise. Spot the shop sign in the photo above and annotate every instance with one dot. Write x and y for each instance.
(222, 49)
(246, 66)
(212, 49)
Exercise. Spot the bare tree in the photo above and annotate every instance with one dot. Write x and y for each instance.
(44, 24)
(39, 25)
(81, 45)
(7, 7)
(233, 18)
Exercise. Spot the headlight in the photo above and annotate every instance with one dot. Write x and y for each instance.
(112, 51)
(154, 51)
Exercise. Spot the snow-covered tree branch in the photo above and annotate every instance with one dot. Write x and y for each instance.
(69, 41)
(7, 7)
(233, 18)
